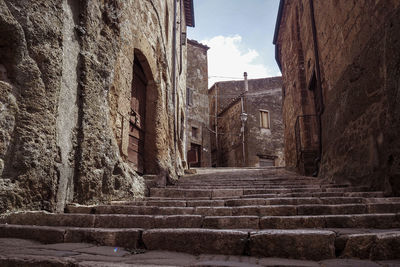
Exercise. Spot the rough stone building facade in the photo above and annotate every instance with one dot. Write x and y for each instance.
(340, 62)
(91, 93)
(197, 111)
(262, 142)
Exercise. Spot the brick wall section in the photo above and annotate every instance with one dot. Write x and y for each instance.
(358, 48)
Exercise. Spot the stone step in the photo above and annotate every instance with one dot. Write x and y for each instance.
(379, 221)
(298, 244)
(22, 252)
(304, 244)
(375, 246)
(205, 187)
(104, 220)
(294, 201)
(229, 192)
(127, 237)
(249, 178)
(208, 195)
(258, 210)
(378, 194)
(257, 185)
(239, 202)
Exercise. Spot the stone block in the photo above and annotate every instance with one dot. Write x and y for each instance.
(331, 209)
(295, 244)
(292, 222)
(196, 241)
(231, 222)
(374, 246)
(127, 238)
(42, 234)
(227, 193)
(214, 211)
(278, 210)
(209, 203)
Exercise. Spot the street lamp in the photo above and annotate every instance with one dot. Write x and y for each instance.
(243, 117)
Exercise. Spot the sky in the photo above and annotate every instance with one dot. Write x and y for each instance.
(239, 34)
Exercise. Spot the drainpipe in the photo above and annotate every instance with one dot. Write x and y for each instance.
(216, 121)
(320, 109)
(246, 83)
(174, 84)
(243, 118)
(180, 38)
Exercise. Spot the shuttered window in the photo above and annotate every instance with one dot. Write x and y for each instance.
(264, 119)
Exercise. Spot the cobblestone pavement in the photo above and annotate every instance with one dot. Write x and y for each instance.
(20, 252)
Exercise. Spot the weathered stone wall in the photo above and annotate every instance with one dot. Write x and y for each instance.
(66, 75)
(198, 108)
(229, 137)
(264, 94)
(359, 62)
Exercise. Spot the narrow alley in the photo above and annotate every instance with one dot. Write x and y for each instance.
(200, 133)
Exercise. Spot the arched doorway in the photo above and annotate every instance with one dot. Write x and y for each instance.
(137, 121)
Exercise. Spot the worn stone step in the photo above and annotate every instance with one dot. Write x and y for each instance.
(298, 244)
(241, 202)
(207, 195)
(378, 194)
(308, 200)
(347, 209)
(378, 221)
(22, 252)
(233, 186)
(128, 238)
(256, 210)
(215, 193)
(373, 246)
(193, 241)
(253, 184)
(231, 222)
(383, 221)
(248, 178)
(104, 221)
(304, 244)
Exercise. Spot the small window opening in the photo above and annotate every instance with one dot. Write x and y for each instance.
(189, 96)
(264, 119)
(195, 132)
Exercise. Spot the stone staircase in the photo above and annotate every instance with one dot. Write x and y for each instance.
(255, 212)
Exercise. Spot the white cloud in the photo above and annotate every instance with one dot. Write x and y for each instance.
(227, 59)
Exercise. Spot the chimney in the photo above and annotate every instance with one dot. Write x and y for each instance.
(246, 83)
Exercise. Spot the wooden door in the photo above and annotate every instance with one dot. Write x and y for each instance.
(137, 119)
(194, 155)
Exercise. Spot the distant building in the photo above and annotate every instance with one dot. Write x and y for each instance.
(340, 62)
(197, 107)
(260, 141)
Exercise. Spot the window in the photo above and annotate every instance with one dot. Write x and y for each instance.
(189, 97)
(166, 21)
(195, 132)
(264, 119)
